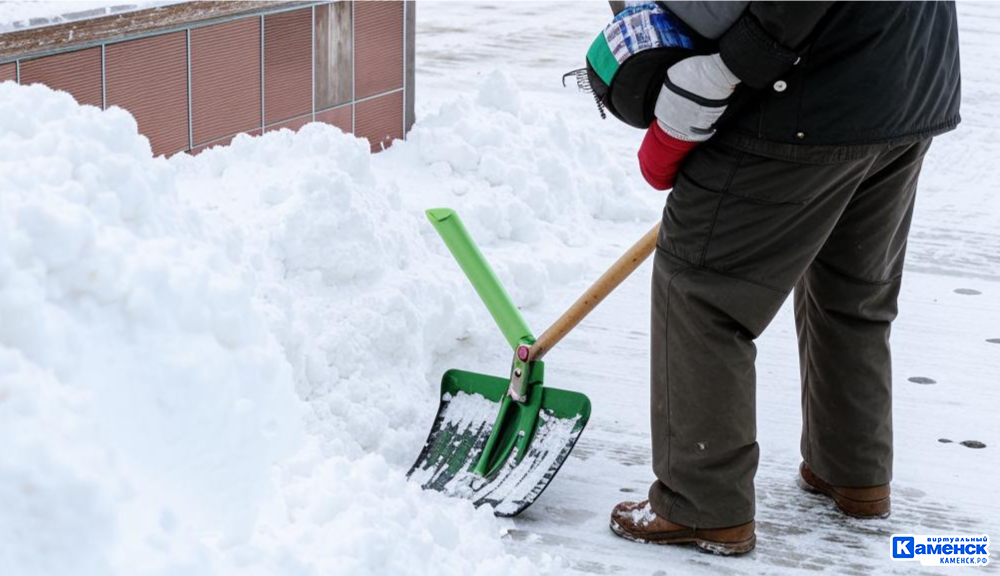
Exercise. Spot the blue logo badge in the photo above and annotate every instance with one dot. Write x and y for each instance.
(902, 546)
(942, 549)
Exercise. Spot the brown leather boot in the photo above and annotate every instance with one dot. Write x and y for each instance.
(636, 521)
(869, 502)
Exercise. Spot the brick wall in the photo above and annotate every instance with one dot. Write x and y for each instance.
(199, 84)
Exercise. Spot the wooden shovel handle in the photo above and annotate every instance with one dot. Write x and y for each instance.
(599, 290)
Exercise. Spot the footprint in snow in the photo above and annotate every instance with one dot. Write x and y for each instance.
(967, 443)
(967, 292)
(922, 380)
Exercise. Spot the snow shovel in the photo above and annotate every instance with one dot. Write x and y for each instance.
(500, 441)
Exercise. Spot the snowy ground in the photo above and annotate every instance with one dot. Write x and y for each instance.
(225, 364)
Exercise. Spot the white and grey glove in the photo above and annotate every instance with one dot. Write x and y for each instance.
(695, 93)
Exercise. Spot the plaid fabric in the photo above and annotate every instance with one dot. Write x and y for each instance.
(644, 26)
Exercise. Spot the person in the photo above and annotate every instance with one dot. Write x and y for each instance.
(813, 120)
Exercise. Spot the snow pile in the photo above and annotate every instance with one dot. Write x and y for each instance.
(525, 166)
(359, 289)
(141, 393)
(224, 364)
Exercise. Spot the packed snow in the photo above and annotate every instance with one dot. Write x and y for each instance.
(466, 420)
(225, 364)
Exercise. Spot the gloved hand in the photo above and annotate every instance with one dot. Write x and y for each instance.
(660, 156)
(694, 95)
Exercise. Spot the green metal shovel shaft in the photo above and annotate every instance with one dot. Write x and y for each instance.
(516, 420)
(508, 318)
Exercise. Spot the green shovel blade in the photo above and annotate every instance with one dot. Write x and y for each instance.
(469, 406)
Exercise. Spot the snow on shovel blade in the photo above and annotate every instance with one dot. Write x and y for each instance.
(469, 405)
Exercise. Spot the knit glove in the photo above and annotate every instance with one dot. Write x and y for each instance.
(660, 156)
(694, 95)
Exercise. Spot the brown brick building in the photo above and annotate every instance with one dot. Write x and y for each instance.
(195, 74)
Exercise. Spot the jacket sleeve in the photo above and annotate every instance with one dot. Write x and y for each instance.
(762, 44)
(709, 18)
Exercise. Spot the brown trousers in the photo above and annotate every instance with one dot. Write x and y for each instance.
(739, 232)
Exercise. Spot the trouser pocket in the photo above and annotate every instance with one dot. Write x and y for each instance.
(756, 218)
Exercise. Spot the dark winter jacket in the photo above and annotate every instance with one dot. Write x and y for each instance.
(819, 76)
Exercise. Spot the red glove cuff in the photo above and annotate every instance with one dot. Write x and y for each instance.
(660, 156)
